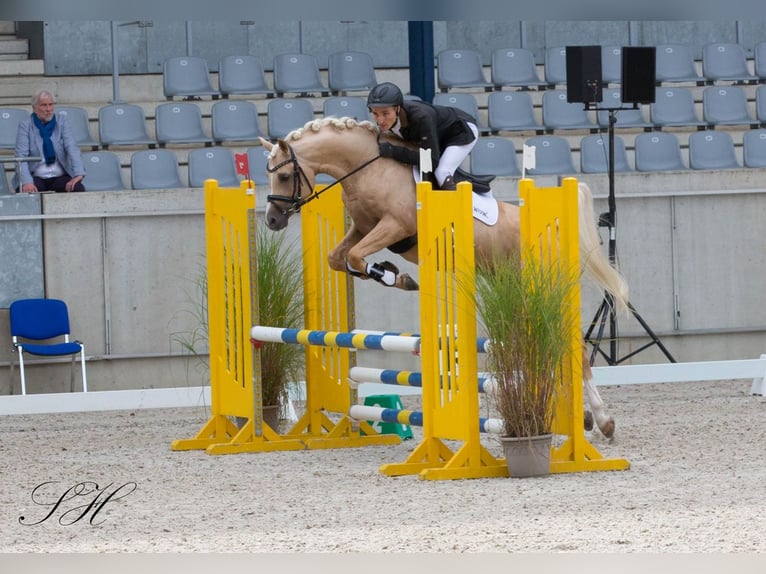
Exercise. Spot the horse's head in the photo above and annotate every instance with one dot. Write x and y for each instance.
(290, 182)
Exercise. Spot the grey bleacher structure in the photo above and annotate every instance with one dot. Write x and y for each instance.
(287, 114)
(187, 77)
(712, 149)
(553, 156)
(242, 75)
(673, 106)
(725, 105)
(594, 154)
(460, 68)
(154, 169)
(123, 124)
(235, 121)
(298, 73)
(350, 71)
(346, 106)
(212, 163)
(560, 114)
(103, 171)
(80, 124)
(511, 111)
(180, 123)
(494, 155)
(514, 67)
(658, 151)
(9, 123)
(725, 61)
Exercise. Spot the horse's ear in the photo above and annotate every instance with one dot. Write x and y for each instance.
(266, 144)
(283, 146)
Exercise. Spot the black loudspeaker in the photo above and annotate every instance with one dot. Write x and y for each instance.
(638, 74)
(584, 74)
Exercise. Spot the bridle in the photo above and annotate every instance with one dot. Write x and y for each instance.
(295, 202)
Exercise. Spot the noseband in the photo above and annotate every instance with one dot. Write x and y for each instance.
(295, 202)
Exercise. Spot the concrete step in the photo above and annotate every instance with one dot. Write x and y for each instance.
(13, 45)
(7, 27)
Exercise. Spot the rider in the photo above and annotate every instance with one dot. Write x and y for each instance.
(450, 133)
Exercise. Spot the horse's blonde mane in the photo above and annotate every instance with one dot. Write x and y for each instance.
(337, 123)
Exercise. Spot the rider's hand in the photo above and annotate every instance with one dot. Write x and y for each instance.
(386, 149)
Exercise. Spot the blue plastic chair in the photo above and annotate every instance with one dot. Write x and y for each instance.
(460, 69)
(37, 322)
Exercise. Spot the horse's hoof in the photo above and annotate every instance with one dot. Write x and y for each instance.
(404, 281)
(588, 421)
(607, 429)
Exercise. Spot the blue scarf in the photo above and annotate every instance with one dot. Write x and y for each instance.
(46, 130)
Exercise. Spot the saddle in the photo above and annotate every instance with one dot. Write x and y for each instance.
(480, 183)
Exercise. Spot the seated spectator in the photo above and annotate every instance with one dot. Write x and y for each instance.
(48, 135)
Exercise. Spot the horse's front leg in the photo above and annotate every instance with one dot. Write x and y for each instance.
(386, 273)
(605, 423)
(337, 257)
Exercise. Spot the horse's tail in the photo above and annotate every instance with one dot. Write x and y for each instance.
(595, 263)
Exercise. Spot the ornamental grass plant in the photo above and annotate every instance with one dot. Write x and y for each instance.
(280, 304)
(523, 306)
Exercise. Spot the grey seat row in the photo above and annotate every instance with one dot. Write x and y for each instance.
(516, 67)
(656, 151)
(189, 77)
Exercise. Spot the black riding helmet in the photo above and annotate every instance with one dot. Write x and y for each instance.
(384, 95)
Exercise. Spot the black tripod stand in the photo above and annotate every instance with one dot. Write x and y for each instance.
(606, 310)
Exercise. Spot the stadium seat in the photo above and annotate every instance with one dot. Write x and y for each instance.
(511, 111)
(514, 67)
(212, 163)
(285, 115)
(658, 151)
(103, 171)
(123, 124)
(611, 64)
(466, 102)
(155, 169)
(257, 159)
(754, 148)
(235, 121)
(629, 117)
(675, 64)
(5, 189)
(712, 150)
(594, 154)
(556, 66)
(10, 118)
(725, 61)
(725, 105)
(346, 106)
(187, 77)
(759, 60)
(553, 156)
(494, 155)
(242, 75)
(560, 114)
(674, 107)
(179, 123)
(80, 124)
(760, 104)
(460, 69)
(350, 72)
(299, 74)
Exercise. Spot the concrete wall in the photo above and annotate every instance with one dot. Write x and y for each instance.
(83, 48)
(128, 265)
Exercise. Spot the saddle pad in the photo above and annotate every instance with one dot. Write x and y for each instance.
(485, 208)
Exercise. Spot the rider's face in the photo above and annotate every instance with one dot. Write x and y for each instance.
(385, 117)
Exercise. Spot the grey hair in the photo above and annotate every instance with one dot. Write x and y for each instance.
(42, 94)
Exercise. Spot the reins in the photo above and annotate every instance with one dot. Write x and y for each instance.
(296, 202)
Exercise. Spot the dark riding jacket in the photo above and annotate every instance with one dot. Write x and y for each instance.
(433, 127)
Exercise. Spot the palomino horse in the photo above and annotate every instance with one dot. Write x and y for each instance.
(379, 196)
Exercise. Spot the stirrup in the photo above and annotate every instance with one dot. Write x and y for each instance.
(449, 184)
